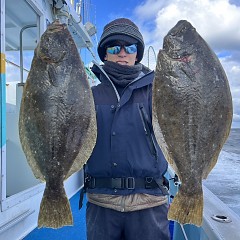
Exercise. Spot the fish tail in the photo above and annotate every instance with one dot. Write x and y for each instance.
(187, 209)
(55, 211)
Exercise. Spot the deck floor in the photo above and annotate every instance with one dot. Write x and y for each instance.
(76, 232)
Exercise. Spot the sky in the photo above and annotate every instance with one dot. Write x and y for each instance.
(217, 21)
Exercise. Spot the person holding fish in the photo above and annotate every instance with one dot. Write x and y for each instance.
(124, 177)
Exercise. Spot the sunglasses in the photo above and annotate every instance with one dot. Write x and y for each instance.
(128, 49)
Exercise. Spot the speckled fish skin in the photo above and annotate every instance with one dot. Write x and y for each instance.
(192, 115)
(57, 123)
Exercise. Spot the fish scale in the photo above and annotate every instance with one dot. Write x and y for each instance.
(57, 122)
(192, 115)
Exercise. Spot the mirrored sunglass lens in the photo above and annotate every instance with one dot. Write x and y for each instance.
(131, 49)
(114, 49)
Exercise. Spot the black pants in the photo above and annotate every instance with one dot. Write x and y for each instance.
(108, 224)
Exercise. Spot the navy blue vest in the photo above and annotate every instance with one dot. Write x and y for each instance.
(124, 147)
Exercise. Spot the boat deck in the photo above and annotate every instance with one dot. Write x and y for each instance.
(76, 232)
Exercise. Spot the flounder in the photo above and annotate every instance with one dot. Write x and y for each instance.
(192, 114)
(57, 122)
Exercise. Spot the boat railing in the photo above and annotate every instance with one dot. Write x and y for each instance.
(219, 221)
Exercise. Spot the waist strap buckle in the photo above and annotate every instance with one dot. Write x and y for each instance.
(123, 183)
(130, 183)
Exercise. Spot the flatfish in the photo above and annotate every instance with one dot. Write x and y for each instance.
(57, 122)
(192, 114)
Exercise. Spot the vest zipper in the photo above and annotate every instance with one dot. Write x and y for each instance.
(147, 130)
(105, 74)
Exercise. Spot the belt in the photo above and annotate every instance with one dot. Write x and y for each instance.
(127, 183)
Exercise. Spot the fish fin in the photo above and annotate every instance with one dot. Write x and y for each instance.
(25, 140)
(87, 146)
(161, 141)
(211, 165)
(55, 212)
(187, 209)
(216, 155)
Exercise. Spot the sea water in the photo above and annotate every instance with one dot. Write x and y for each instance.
(224, 179)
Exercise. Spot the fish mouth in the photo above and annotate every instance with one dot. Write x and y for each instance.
(57, 26)
(181, 28)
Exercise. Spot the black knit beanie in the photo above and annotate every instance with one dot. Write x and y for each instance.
(121, 29)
